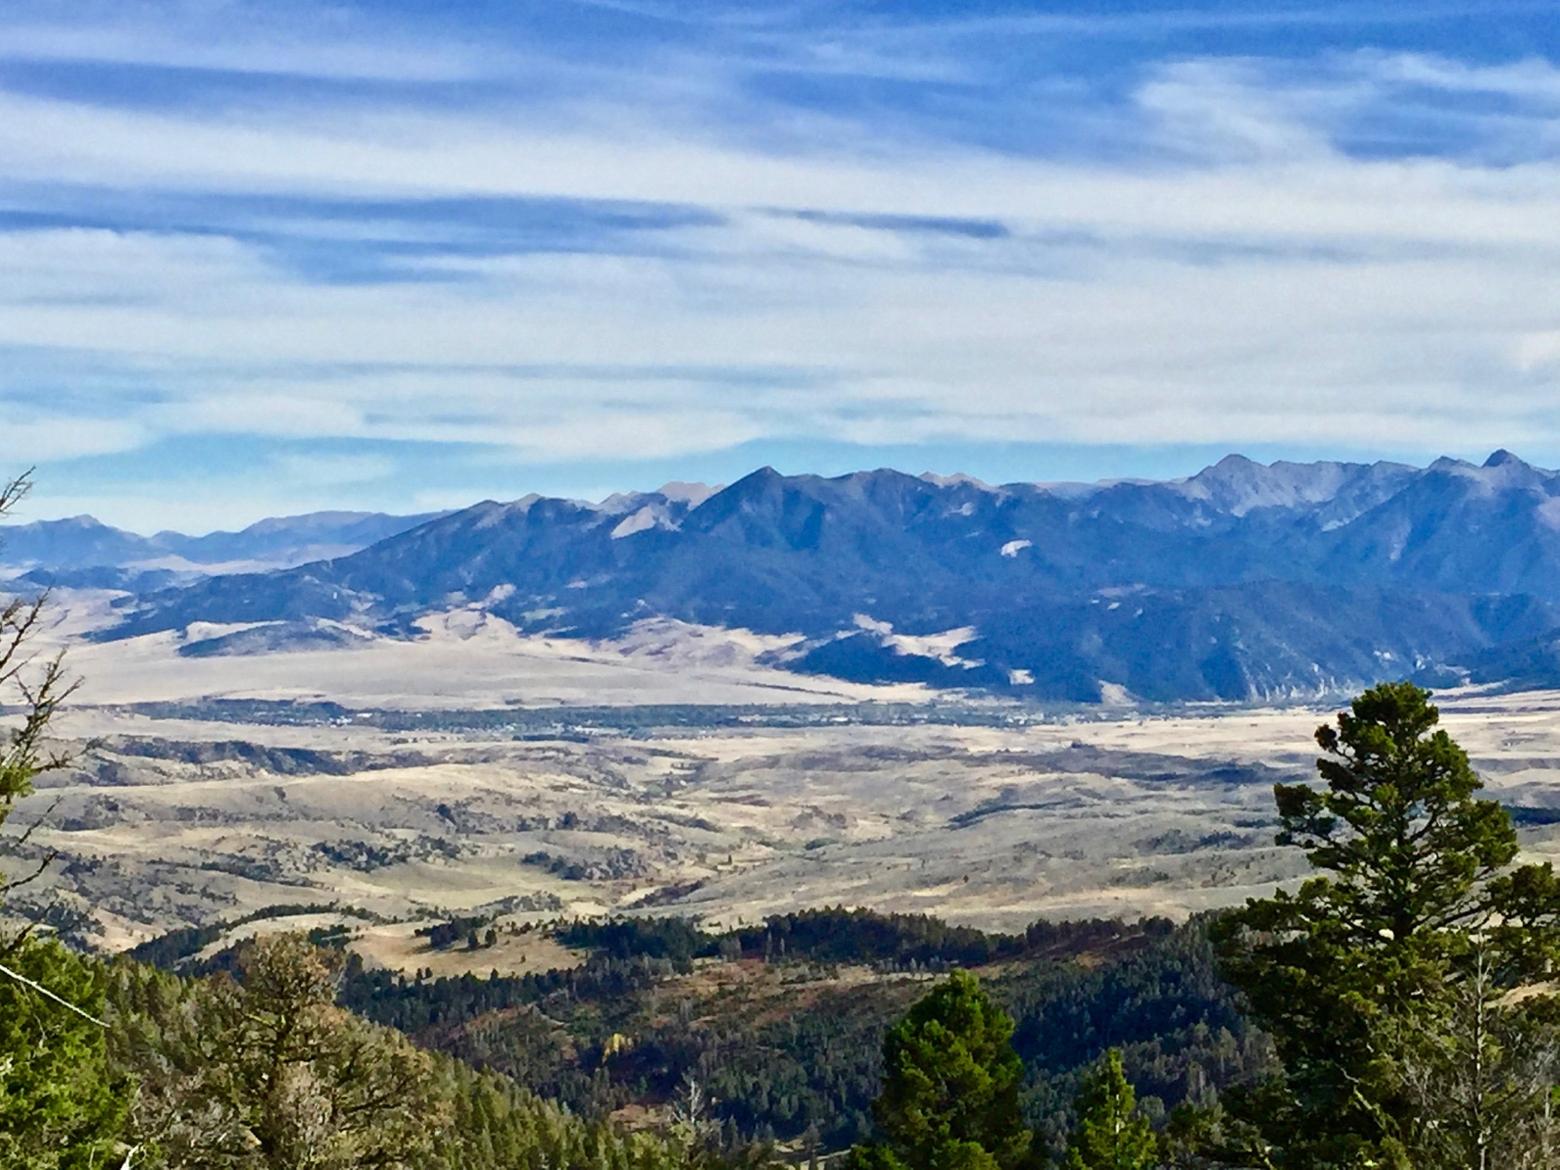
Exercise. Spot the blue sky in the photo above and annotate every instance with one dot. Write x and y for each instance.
(264, 258)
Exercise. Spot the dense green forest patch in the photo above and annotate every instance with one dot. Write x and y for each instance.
(781, 1021)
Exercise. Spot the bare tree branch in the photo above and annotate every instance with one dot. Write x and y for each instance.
(33, 685)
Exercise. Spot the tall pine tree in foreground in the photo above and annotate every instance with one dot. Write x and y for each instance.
(950, 1087)
(1367, 975)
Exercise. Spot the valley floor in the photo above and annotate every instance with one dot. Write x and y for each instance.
(186, 814)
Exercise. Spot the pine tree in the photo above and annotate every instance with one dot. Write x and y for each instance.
(1355, 975)
(950, 1087)
(60, 1107)
(1111, 1134)
(272, 1075)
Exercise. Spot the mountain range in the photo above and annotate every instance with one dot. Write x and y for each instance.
(83, 550)
(1246, 581)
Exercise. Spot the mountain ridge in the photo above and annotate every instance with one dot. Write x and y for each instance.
(84, 542)
(1244, 581)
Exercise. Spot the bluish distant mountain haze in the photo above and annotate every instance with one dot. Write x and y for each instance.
(83, 543)
(1056, 406)
(1245, 581)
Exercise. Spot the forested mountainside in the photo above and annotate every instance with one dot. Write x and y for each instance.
(1244, 581)
(781, 1022)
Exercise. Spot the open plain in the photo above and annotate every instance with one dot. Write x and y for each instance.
(698, 783)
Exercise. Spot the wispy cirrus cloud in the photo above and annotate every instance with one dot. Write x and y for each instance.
(282, 39)
(664, 235)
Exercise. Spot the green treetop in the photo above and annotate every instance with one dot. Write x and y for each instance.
(950, 1087)
(1355, 975)
(60, 1105)
(1111, 1133)
(271, 1075)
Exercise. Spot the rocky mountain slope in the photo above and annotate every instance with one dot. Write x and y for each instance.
(1243, 581)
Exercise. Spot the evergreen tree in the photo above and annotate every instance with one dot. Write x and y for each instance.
(950, 1087)
(1111, 1134)
(164, 1029)
(272, 1075)
(60, 1108)
(1488, 1083)
(1355, 974)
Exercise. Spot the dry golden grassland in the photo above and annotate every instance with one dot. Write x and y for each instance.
(182, 819)
(167, 822)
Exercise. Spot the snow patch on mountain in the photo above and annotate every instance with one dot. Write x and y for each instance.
(958, 479)
(490, 513)
(942, 646)
(649, 517)
(1113, 694)
(692, 494)
(1238, 485)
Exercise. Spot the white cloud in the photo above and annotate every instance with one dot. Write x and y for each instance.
(1220, 112)
(253, 410)
(318, 470)
(1121, 345)
(1277, 199)
(276, 38)
(38, 439)
(1531, 79)
(1238, 277)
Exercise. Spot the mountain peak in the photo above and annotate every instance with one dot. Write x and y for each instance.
(1419, 567)
(1503, 458)
(757, 480)
(1234, 461)
(1232, 469)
